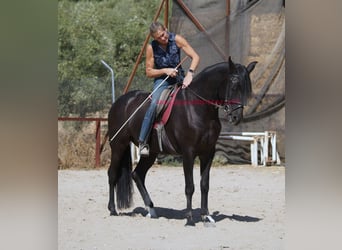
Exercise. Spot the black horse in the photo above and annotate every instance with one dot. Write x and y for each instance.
(192, 130)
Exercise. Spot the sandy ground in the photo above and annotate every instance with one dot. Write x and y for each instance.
(247, 203)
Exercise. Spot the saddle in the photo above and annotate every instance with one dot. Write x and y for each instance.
(164, 108)
(164, 101)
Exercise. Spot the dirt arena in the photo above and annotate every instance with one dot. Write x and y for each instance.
(247, 203)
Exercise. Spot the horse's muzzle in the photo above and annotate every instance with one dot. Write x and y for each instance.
(234, 113)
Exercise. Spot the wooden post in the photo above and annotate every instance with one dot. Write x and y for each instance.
(200, 27)
(227, 30)
(166, 14)
(142, 51)
(227, 7)
(97, 133)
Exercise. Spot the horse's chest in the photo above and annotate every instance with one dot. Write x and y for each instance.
(209, 133)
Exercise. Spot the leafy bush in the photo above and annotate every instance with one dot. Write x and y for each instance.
(95, 30)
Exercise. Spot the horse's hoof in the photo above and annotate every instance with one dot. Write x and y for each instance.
(208, 218)
(151, 213)
(190, 223)
(208, 221)
(113, 213)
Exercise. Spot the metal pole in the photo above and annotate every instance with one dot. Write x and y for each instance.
(113, 86)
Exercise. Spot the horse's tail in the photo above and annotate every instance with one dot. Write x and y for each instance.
(124, 186)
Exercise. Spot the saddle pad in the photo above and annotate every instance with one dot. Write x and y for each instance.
(164, 100)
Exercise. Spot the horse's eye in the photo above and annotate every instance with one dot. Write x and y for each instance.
(234, 79)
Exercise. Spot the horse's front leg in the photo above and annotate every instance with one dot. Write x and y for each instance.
(205, 164)
(188, 165)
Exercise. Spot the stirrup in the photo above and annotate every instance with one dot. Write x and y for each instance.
(144, 149)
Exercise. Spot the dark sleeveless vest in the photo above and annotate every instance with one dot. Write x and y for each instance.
(168, 58)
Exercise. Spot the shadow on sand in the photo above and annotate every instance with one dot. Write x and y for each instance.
(175, 214)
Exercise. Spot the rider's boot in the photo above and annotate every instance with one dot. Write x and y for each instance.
(144, 149)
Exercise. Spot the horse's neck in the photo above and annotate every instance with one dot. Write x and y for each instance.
(207, 86)
(203, 91)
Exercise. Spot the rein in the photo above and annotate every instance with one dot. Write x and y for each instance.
(227, 107)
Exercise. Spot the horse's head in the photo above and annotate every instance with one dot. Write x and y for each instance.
(237, 90)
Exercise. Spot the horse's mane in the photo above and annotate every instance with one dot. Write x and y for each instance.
(218, 67)
(223, 67)
(246, 84)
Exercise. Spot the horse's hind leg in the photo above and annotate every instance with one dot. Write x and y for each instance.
(111, 181)
(113, 175)
(138, 176)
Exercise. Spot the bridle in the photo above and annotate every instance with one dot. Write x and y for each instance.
(228, 106)
(232, 105)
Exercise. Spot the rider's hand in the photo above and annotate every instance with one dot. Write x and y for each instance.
(171, 72)
(187, 80)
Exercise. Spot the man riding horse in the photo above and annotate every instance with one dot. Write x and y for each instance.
(162, 58)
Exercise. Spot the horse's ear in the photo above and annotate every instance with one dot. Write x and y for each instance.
(231, 64)
(251, 66)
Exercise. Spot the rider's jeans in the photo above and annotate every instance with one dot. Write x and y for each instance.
(151, 111)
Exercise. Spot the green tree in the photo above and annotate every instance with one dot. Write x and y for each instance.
(95, 30)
